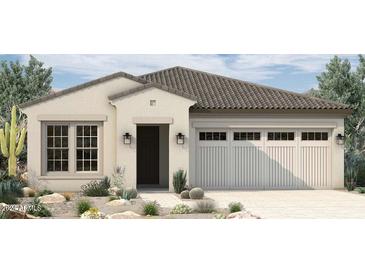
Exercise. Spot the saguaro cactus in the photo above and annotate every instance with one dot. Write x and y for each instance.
(11, 146)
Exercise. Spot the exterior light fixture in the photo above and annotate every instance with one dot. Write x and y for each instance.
(127, 138)
(340, 139)
(180, 138)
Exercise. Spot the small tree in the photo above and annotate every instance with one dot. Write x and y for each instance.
(20, 83)
(11, 142)
(342, 84)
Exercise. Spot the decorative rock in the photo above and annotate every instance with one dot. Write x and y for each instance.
(15, 214)
(123, 215)
(52, 198)
(27, 191)
(242, 215)
(113, 190)
(185, 194)
(196, 193)
(29, 216)
(118, 202)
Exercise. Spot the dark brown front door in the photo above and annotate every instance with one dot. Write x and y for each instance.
(147, 155)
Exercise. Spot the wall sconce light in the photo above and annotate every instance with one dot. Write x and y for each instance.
(340, 139)
(127, 138)
(180, 138)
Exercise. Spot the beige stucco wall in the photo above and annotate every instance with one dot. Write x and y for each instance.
(138, 106)
(88, 102)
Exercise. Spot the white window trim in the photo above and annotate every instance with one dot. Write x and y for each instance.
(72, 150)
(98, 149)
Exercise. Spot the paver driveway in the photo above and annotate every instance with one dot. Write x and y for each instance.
(283, 203)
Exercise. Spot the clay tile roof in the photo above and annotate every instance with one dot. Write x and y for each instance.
(219, 92)
(212, 91)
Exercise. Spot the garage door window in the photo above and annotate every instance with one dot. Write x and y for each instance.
(314, 136)
(246, 136)
(280, 136)
(212, 136)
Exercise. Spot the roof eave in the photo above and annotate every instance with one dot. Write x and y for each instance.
(151, 85)
(82, 86)
(342, 112)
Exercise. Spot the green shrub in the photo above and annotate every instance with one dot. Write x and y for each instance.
(205, 206)
(4, 215)
(97, 188)
(45, 192)
(3, 175)
(9, 199)
(105, 182)
(151, 208)
(181, 209)
(196, 193)
(235, 207)
(83, 206)
(37, 209)
(219, 216)
(350, 186)
(360, 190)
(129, 193)
(179, 181)
(185, 194)
(10, 189)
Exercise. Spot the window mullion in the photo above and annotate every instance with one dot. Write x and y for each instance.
(72, 148)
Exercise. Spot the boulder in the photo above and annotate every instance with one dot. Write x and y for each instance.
(27, 191)
(52, 198)
(15, 214)
(123, 215)
(185, 194)
(242, 215)
(118, 202)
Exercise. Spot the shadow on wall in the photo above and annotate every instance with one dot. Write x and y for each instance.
(247, 166)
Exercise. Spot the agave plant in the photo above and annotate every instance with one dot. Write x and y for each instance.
(179, 181)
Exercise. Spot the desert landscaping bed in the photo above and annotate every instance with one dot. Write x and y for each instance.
(118, 208)
(24, 197)
(67, 209)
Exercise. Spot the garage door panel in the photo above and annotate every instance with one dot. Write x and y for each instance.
(247, 167)
(285, 159)
(314, 166)
(213, 167)
(281, 167)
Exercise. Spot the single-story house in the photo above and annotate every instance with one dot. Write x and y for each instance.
(225, 133)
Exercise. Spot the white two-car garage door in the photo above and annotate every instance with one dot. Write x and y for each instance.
(263, 159)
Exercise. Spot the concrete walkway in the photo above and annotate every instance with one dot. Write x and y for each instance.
(282, 204)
